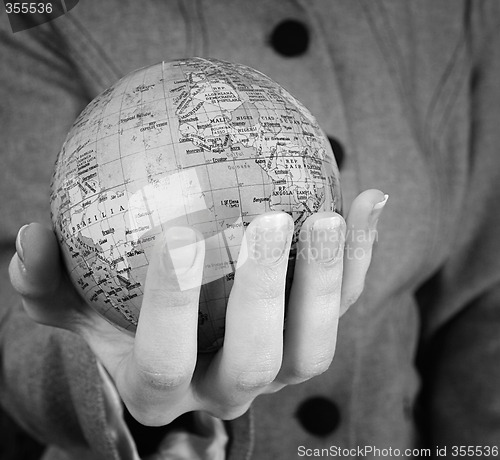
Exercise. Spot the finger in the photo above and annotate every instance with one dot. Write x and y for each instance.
(36, 272)
(253, 343)
(161, 367)
(360, 237)
(313, 309)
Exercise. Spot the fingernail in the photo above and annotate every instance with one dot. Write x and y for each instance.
(376, 212)
(271, 238)
(19, 242)
(182, 248)
(325, 239)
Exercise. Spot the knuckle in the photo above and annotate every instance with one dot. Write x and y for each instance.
(302, 372)
(169, 298)
(263, 283)
(233, 412)
(164, 381)
(254, 380)
(327, 279)
(324, 296)
(151, 416)
(268, 294)
(268, 287)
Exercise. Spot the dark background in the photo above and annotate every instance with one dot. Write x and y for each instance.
(15, 443)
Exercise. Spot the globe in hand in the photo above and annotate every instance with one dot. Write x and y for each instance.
(195, 142)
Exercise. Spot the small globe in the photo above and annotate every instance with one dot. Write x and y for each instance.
(194, 142)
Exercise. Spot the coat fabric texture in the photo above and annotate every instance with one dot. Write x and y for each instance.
(409, 90)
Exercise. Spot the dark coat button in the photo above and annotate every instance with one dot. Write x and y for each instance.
(338, 151)
(318, 416)
(290, 38)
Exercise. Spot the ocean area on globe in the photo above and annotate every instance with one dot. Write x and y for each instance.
(195, 142)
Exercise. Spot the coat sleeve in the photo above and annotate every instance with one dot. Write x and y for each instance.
(460, 358)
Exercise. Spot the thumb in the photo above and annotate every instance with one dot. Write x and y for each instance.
(36, 273)
(35, 268)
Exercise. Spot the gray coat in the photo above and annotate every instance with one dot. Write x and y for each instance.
(410, 91)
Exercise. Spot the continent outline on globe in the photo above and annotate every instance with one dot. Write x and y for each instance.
(195, 142)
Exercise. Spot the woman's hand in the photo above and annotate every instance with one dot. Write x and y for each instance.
(158, 373)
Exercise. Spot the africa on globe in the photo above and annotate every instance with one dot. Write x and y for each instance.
(197, 142)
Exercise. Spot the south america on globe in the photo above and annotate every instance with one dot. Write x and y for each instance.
(196, 142)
